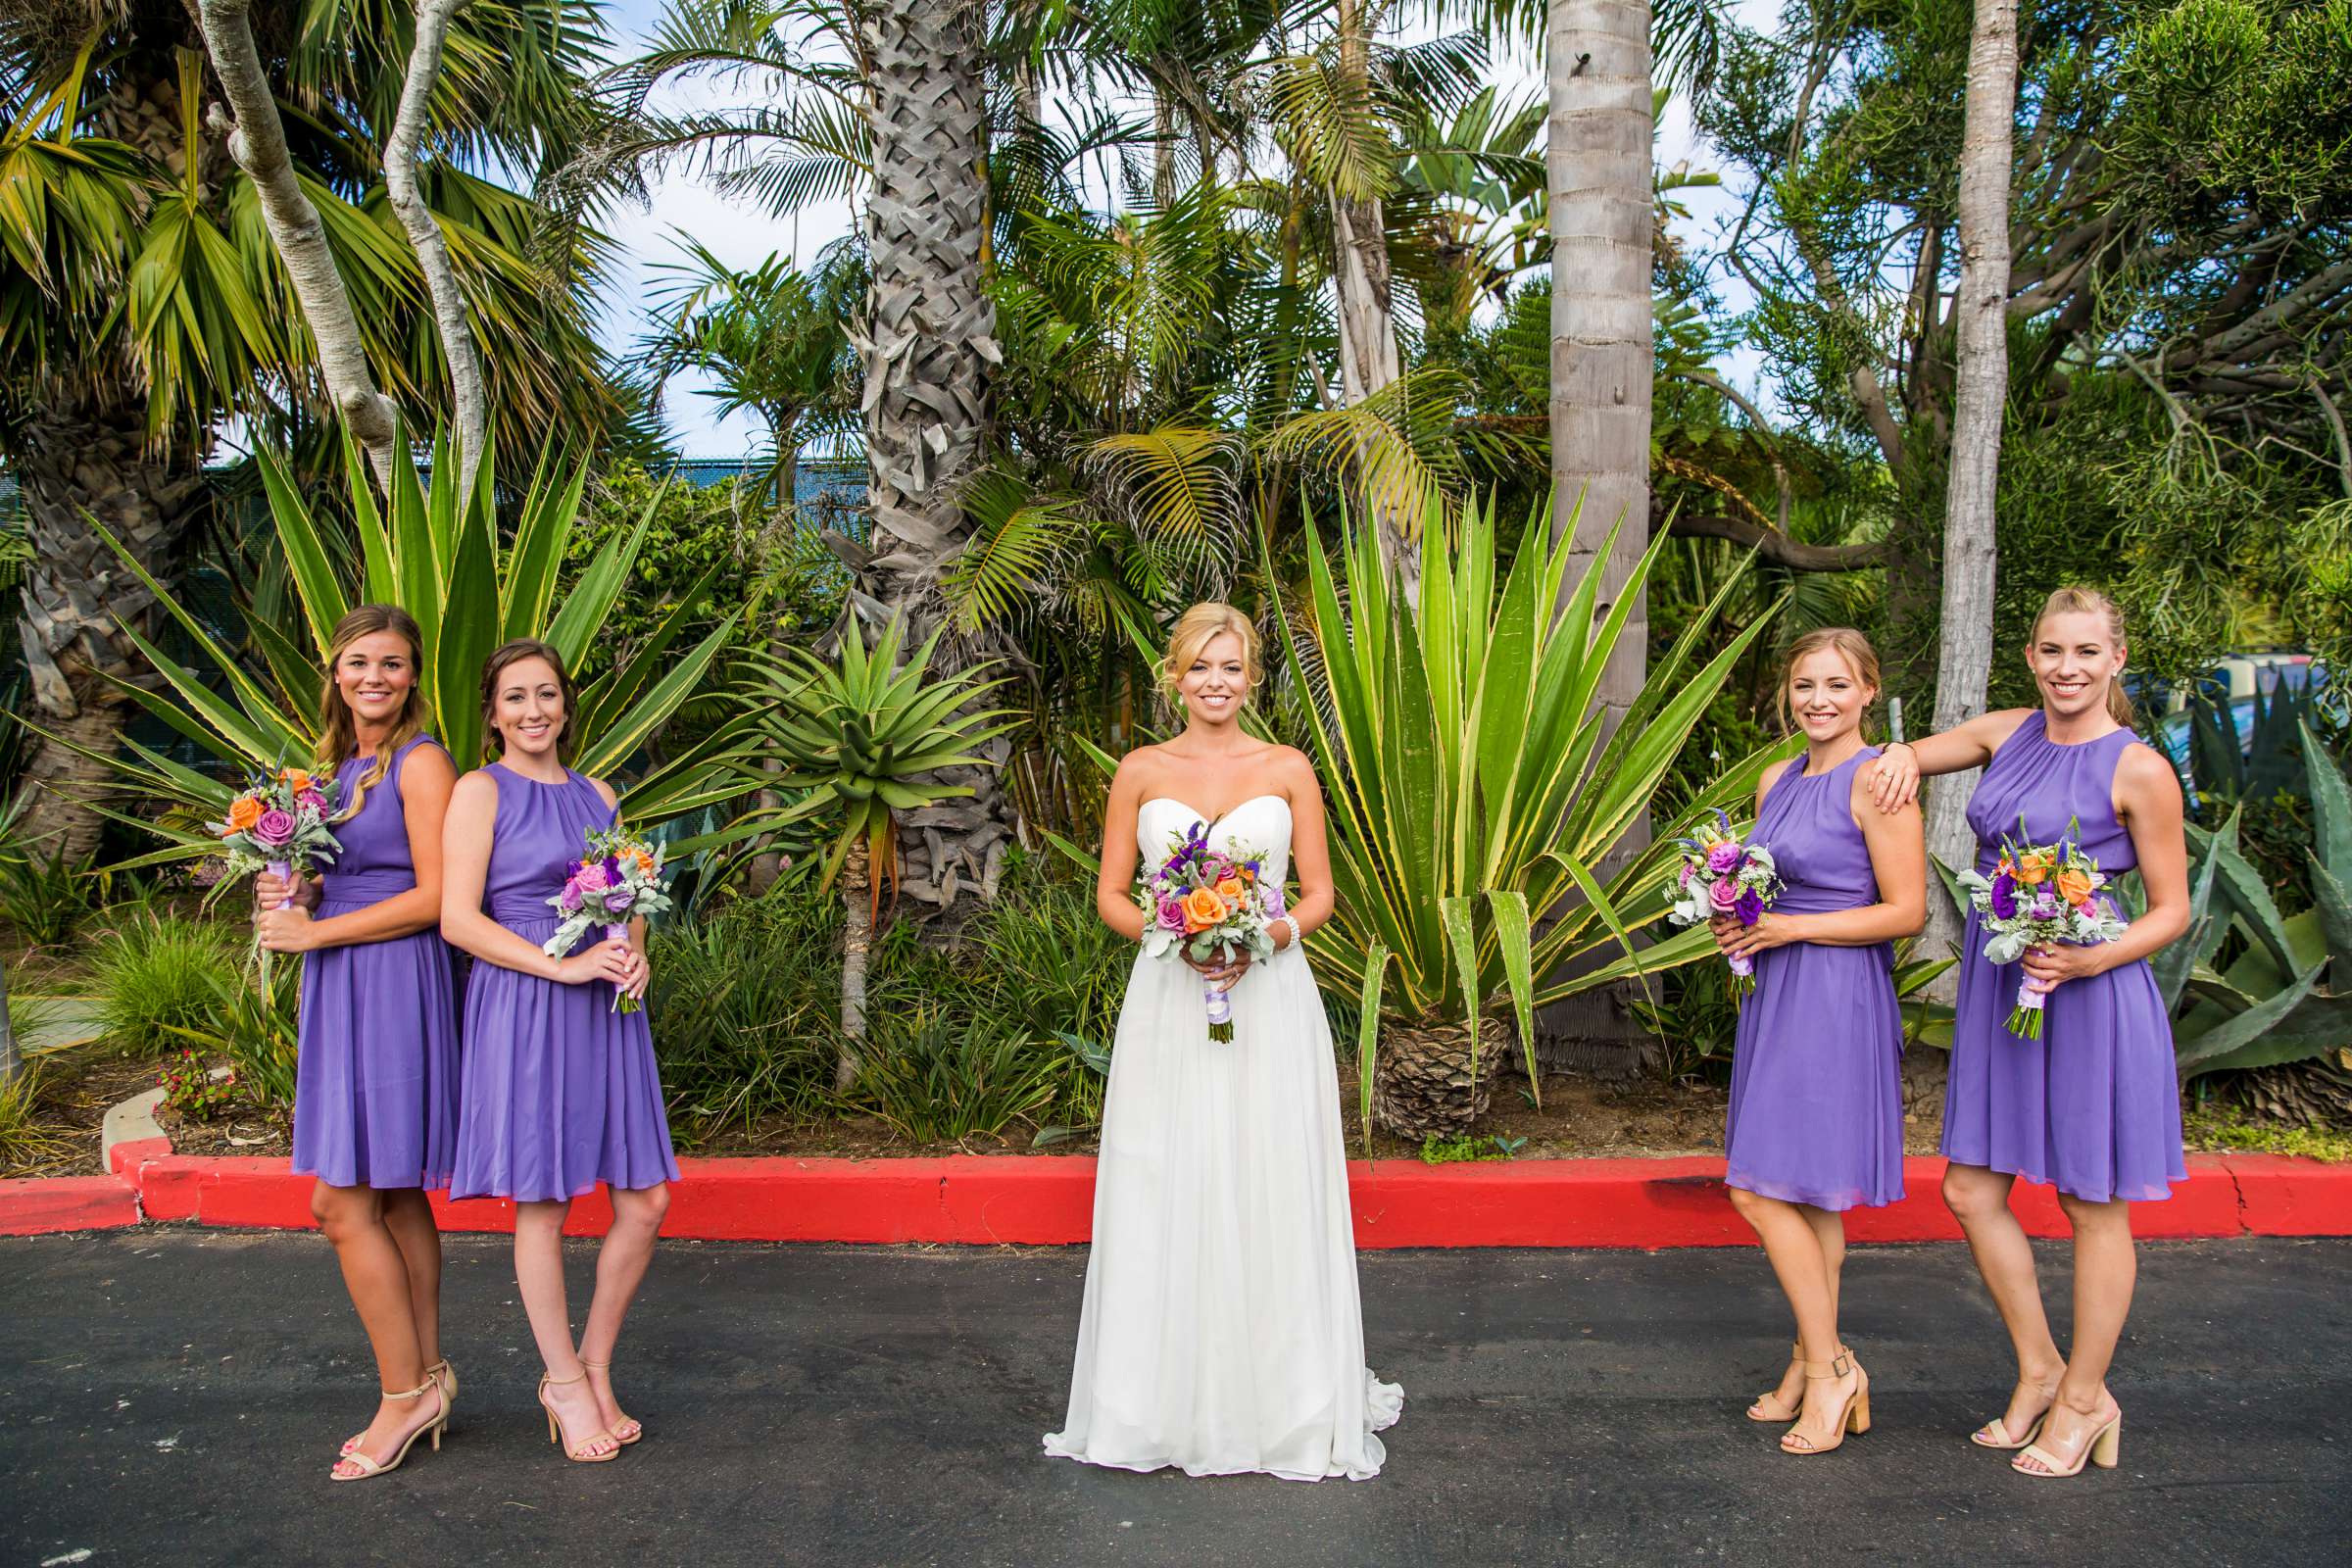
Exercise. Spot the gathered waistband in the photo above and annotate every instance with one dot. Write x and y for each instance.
(512, 909)
(364, 887)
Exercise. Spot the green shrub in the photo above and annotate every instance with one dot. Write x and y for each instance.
(43, 895)
(257, 1031)
(191, 1092)
(23, 1138)
(746, 1007)
(942, 1075)
(157, 973)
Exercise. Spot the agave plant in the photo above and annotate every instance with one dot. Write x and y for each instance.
(439, 554)
(866, 738)
(1473, 783)
(2286, 994)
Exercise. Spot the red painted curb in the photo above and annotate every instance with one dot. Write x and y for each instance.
(38, 1205)
(1049, 1201)
(2283, 1195)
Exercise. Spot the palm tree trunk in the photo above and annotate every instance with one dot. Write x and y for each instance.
(1964, 653)
(928, 343)
(1601, 353)
(1365, 295)
(75, 461)
(856, 948)
(12, 1060)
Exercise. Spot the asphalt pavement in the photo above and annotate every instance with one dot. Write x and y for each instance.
(175, 1396)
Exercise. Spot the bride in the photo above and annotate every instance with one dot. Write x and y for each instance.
(1221, 1331)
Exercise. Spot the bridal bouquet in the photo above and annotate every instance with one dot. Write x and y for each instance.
(2039, 892)
(277, 823)
(1722, 876)
(1207, 902)
(618, 879)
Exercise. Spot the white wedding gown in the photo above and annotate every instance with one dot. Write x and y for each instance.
(1221, 1332)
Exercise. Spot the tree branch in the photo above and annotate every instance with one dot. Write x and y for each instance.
(1778, 548)
(450, 319)
(257, 143)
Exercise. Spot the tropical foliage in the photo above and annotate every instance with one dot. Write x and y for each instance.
(441, 556)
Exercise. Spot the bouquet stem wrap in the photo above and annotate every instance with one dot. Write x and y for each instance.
(1220, 1011)
(2025, 1019)
(622, 1001)
(283, 870)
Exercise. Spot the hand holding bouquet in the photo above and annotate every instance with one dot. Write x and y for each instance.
(2039, 892)
(1204, 903)
(1721, 878)
(617, 880)
(277, 823)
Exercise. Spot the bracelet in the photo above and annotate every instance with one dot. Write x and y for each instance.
(1296, 936)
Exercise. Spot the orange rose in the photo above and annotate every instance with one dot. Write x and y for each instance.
(2074, 886)
(2006, 869)
(243, 812)
(1230, 890)
(296, 779)
(1202, 909)
(2032, 870)
(645, 863)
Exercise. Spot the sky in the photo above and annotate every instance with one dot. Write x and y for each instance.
(742, 235)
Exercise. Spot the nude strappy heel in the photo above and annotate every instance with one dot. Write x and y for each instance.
(583, 1453)
(369, 1468)
(1854, 1418)
(1770, 1407)
(1994, 1433)
(2102, 1447)
(635, 1426)
(440, 1372)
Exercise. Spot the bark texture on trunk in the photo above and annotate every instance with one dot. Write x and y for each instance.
(12, 1062)
(451, 322)
(856, 948)
(75, 463)
(1602, 221)
(257, 142)
(1964, 651)
(928, 345)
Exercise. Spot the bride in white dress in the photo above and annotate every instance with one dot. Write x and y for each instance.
(1221, 1332)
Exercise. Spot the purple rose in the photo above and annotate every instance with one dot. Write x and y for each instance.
(1724, 896)
(2004, 897)
(312, 800)
(1750, 908)
(274, 829)
(1722, 857)
(1171, 915)
(571, 896)
(619, 900)
(591, 878)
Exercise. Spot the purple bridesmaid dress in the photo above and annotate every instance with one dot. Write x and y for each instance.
(1817, 1101)
(2092, 1107)
(561, 1091)
(375, 1085)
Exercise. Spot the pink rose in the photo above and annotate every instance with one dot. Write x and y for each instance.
(1171, 915)
(1724, 896)
(276, 829)
(571, 896)
(312, 801)
(1723, 856)
(591, 877)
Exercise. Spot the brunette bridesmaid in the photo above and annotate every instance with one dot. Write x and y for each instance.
(2092, 1107)
(1816, 1123)
(375, 1093)
(560, 1089)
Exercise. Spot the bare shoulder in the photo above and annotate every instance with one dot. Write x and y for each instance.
(476, 787)
(1139, 767)
(1772, 775)
(429, 765)
(604, 792)
(2142, 770)
(1996, 726)
(1294, 771)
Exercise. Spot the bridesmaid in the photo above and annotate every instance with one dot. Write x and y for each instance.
(561, 1091)
(2092, 1107)
(1816, 1123)
(376, 1089)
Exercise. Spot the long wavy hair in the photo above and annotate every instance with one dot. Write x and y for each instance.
(339, 727)
(1850, 645)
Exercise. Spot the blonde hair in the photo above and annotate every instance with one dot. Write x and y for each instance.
(2090, 602)
(338, 730)
(1196, 630)
(1849, 643)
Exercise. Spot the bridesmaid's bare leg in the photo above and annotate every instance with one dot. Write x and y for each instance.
(620, 1267)
(539, 1278)
(1795, 1249)
(1829, 1229)
(1979, 1200)
(352, 1219)
(2106, 1268)
(409, 1220)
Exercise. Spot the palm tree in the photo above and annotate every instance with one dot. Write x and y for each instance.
(774, 339)
(142, 303)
